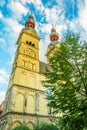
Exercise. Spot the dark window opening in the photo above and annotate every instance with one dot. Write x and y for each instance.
(27, 42)
(30, 43)
(33, 45)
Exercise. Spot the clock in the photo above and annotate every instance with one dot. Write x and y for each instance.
(30, 52)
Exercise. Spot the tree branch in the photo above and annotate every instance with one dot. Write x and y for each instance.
(75, 89)
(82, 79)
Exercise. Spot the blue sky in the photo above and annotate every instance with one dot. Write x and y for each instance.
(65, 15)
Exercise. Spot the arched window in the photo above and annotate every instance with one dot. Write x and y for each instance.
(30, 108)
(19, 103)
(16, 123)
(30, 125)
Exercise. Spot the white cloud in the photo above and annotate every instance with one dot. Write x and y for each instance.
(2, 96)
(11, 51)
(44, 28)
(37, 3)
(43, 47)
(51, 15)
(18, 9)
(13, 25)
(60, 28)
(13, 28)
(83, 16)
(1, 15)
(54, 15)
(3, 76)
(79, 24)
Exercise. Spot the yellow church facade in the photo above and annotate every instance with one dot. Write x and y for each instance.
(25, 101)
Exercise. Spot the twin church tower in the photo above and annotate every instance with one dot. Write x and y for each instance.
(25, 100)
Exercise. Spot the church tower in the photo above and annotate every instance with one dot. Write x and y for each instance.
(54, 37)
(25, 101)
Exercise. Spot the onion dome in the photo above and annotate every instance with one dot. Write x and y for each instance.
(30, 22)
(54, 35)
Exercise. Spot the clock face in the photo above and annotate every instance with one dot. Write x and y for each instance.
(30, 52)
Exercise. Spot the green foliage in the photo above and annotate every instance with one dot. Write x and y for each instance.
(45, 126)
(21, 127)
(71, 123)
(68, 82)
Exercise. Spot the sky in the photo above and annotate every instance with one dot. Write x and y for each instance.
(65, 15)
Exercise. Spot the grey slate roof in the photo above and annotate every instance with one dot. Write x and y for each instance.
(44, 68)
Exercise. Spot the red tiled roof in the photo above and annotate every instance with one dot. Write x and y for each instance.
(1, 108)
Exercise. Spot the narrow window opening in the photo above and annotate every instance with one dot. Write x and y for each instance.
(27, 42)
(33, 45)
(25, 102)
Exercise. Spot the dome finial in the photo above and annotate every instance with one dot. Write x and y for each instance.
(53, 29)
(31, 15)
(30, 23)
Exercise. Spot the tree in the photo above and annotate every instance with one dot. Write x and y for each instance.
(67, 83)
(21, 127)
(45, 126)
